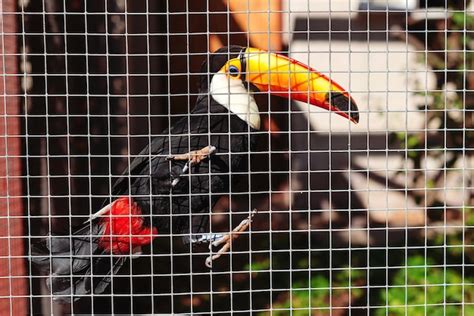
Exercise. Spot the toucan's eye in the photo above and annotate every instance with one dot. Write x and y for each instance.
(233, 71)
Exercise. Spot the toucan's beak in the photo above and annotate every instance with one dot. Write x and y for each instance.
(289, 78)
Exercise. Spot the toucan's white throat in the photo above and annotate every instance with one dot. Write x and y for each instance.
(231, 94)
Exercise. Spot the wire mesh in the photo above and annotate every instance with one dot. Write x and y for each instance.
(369, 218)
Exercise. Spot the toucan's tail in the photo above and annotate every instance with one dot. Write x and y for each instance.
(84, 262)
(76, 264)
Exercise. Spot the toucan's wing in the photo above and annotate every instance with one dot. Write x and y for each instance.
(172, 141)
(156, 147)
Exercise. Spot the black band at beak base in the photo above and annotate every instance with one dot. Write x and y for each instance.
(243, 65)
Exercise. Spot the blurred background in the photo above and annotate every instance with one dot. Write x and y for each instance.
(353, 219)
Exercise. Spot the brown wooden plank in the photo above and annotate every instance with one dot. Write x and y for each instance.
(13, 279)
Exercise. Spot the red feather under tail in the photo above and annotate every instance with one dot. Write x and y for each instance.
(124, 228)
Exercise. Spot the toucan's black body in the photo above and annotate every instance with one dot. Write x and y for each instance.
(151, 174)
(158, 195)
(181, 210)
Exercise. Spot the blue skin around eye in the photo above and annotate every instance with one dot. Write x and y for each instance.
(233, 70)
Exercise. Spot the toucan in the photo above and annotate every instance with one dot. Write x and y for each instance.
(173, 184)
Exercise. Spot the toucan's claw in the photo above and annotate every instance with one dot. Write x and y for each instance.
(193, 158)
(227, 239)
(204, 238)
(196, 156)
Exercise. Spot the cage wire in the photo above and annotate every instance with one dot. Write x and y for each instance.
(369, 218)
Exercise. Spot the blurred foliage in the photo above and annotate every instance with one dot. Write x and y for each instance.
(448, 107)
(423, 287)
(316, 295)
(426, 285)
(433, 278)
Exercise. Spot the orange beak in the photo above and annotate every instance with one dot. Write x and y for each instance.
(286, 77)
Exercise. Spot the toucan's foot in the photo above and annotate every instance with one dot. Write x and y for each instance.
(227, 239)
(196, 156)
(204, 238)
(193, 158)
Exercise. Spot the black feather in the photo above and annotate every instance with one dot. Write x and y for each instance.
(76, 265)
(149, 178)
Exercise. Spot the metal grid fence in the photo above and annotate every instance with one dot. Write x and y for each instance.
(351, 219)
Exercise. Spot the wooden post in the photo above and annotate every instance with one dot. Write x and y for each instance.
(13, 279)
